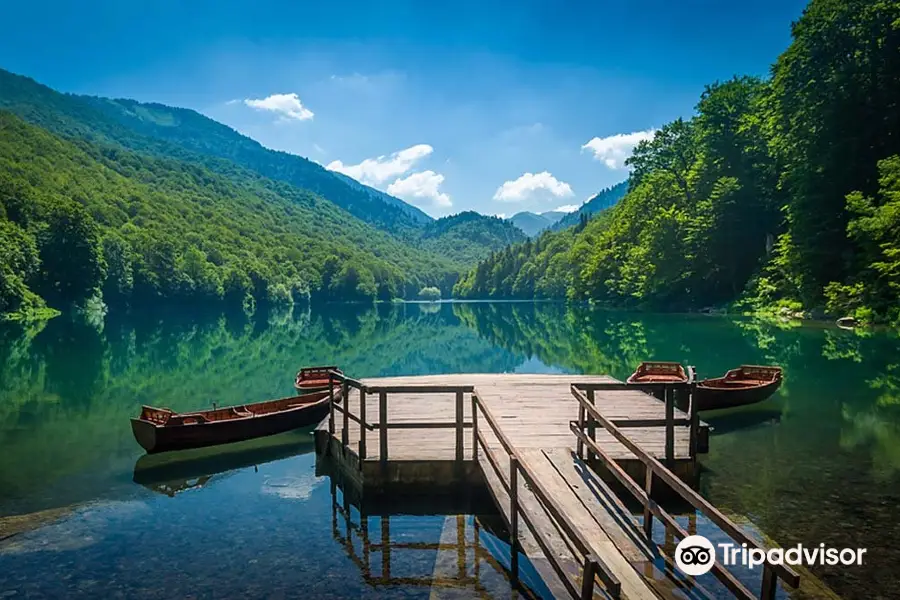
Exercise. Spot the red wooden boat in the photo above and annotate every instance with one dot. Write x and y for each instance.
(162, 430)
(747, 384)
(656, 371)
(313, 379)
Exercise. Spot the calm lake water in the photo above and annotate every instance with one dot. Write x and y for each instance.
(80, 516)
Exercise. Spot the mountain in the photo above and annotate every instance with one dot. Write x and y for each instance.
(553, 215)
(534, 223)
(187, 135)
(77, 217)
(606, 198)
(468, 237)
(415, 213)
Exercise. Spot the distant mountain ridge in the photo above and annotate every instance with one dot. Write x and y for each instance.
(187, 135)
(605, 198)
(534, 223)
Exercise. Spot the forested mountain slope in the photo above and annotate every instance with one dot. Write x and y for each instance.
(77, 217)
(606, 198)
(188, 135)
(468, 236)
(779, 191)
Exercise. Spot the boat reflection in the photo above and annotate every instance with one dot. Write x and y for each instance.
(175, 472)
(727, 422)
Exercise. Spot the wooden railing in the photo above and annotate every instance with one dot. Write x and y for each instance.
(592, 564)
(669, 393)
(590, 417)
(383, 424)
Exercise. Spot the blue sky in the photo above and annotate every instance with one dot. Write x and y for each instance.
(496, 107)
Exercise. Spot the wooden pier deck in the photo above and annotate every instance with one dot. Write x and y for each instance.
(545, 447)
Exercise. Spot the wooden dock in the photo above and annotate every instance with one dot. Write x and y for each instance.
(546, 448)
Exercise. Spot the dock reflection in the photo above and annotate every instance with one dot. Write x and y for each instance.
(450, 553)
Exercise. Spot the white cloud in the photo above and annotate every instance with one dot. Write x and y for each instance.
(424, 185)
(613, 150)
(373, 171)
(567, 208)
(529, 184)
(286, 106)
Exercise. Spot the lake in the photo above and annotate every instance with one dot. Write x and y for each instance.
(817, 463)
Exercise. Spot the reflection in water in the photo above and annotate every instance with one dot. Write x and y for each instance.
(454, 552)
(819, 462)
(173, 472)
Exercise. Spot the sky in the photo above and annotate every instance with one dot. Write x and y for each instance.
(496, 107)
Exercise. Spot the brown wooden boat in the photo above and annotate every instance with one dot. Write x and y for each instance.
(747, 384)
(656, 371)
(162, 430)
(313, 379)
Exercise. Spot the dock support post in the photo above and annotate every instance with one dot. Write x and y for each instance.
(474, 428)
(362, 426)
(592, 425)
(459, 427)
(670, 427)
(648, 513)
(382, 428)
(331, 403)
(514, 516)
(385, 547)
(345, 430)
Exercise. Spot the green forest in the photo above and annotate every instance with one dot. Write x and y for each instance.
(781, 192)
(95, 211)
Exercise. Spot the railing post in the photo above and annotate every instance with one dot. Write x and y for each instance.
(331, 403)
(648, 514)
(769, 584)
(579, 446)
(670, 426)
(474, 428)
(460, 405)
(345, 431)
(382, 427)
(587, 578)
(514, 516)
(362, 426)
(592, 424)
(695, 421)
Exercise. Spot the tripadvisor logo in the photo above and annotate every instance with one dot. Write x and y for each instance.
(696, 555)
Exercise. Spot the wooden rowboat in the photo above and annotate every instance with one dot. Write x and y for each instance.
(162, 430)
(747, 384)
(659, 372)
(313, 379)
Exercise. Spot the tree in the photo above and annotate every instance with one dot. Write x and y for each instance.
(119, 282)
(431, 294)
(72, 265)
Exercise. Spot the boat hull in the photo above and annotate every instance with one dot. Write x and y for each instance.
(718, 398)
(154, 438)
